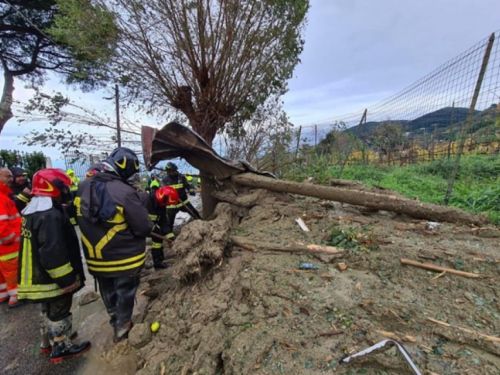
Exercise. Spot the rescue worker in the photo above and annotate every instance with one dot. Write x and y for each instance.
(178, 182)
(74, 179)
(21, 188)
(156, 202)
(114, 226)
(93, 170)
(10, 231)
(51, 269)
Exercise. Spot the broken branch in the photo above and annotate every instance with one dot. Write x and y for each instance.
(294, 248)
(486, 337)
(433, 267)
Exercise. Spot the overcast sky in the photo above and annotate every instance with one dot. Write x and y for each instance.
(357, 53)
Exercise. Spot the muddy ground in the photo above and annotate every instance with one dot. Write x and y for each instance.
(227, 310)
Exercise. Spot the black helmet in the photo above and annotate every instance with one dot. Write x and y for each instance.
(123, 162)
(171, 167)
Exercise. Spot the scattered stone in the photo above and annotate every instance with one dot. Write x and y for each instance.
(342, 266)
(87, 297)
(139, 335)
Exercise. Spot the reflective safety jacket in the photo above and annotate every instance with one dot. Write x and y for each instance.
(10, 225)
(114, 225)
(179, 183)
(49, 259)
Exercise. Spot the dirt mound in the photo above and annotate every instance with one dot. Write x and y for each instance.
(224, 309)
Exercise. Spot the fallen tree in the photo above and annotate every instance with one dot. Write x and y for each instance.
(385, 202)
(175, 140)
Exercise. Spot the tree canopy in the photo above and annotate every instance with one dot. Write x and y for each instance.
(73, 38)
(215, 61)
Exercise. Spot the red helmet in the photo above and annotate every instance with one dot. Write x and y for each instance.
(167, 196)
(52, 183)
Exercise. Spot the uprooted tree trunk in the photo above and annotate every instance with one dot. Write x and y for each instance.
(372, 200)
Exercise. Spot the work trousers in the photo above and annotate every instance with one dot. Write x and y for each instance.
(8, 280)
(118, 295)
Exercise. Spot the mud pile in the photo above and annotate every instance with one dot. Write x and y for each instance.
(227, 309)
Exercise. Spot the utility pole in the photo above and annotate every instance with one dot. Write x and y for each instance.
(117, 105)
(117, 110)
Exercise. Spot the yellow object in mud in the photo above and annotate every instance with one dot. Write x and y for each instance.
(155, 327)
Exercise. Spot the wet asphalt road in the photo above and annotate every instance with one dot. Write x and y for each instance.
(19, 345)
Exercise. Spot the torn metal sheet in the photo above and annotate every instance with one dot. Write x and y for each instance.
(178, 141)
(378, 347)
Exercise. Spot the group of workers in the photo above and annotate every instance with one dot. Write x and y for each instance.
(40, 257)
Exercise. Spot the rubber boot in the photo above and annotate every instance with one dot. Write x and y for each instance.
(121, 333)
(61, 351)
(158, 257)
(63, 348)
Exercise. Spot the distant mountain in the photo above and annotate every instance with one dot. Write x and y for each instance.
(441, 118)
(430, 122)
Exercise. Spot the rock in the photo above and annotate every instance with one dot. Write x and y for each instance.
(489, 233)
(87, 297)
(139, 335)
(140, 307)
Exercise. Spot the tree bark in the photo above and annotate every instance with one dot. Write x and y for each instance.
(6, 100)
(209, 202)
(392, 203)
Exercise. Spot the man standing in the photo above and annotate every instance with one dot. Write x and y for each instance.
(114, 226)
(21, 188)
(155, 201)
(10, 231)
(74, 179)
(178, 182)
(51, 269)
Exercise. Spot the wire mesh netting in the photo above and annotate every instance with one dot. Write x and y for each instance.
(421, 122)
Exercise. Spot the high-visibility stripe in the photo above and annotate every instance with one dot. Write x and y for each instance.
(119, 218)
(108, 237)
(12, 292)
(170, 235)
(3, 286)
(76, 203)
(9, 256)
(41, 291)
(23, 198)
(119, 268)
(157, 245)
(153, 217)
(88, 245)
(3, 296)
(27, 263)
(177, 186)
(7, 238)
(9, 217)
(116, 262)
(178, 205)
(60, 271)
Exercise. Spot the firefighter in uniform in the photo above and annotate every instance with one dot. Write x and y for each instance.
(156, 202)
(178, 182)
(10, 231)
(50, 267)
(114, 226)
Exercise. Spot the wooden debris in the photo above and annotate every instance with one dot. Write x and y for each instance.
(433, 267)
(486, 337)
(329, 334)
(438, 276)
(297, 247)
(342, 266)
(302, 225)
